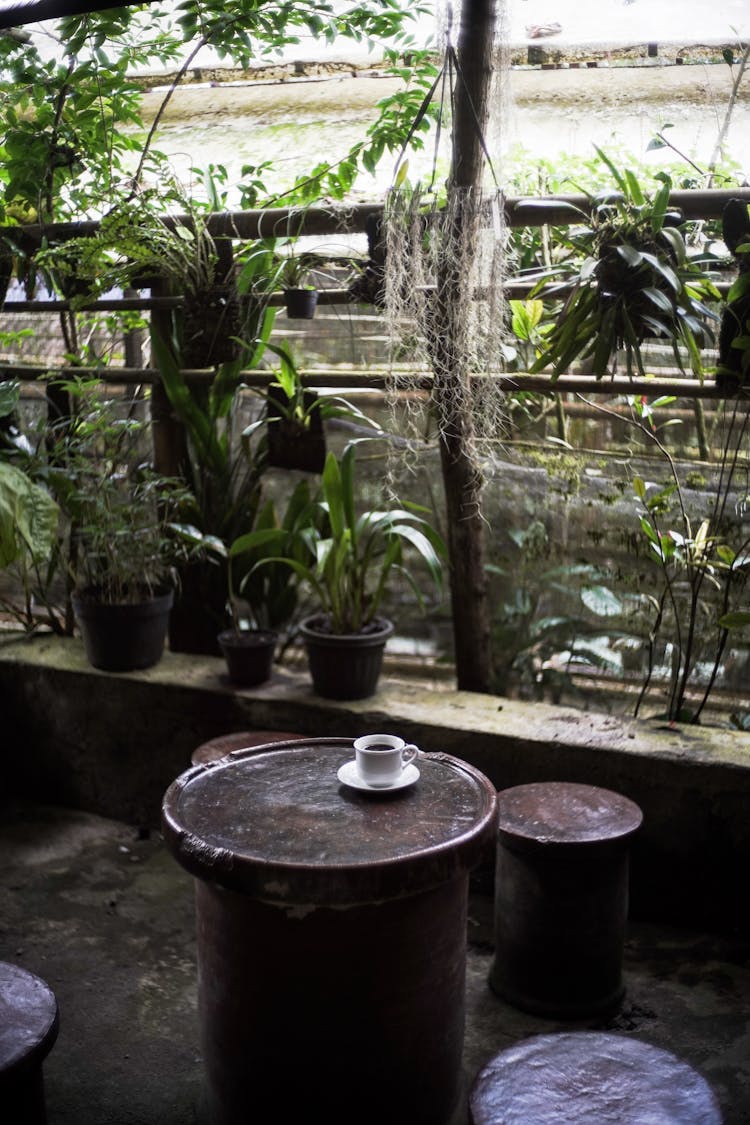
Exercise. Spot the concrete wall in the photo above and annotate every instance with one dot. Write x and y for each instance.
(111, 744)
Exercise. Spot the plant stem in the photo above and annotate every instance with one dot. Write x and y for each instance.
(719, 146)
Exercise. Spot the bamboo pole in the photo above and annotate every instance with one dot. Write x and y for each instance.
(377, 379)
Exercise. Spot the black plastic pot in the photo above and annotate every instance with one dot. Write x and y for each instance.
(345, 665)
(122, 636)
(300, 303)
(249, 654)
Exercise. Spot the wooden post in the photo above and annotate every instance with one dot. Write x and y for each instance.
(451, 397)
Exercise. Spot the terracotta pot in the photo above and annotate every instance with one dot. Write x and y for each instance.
(345, 665)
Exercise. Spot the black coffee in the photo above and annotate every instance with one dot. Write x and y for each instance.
(380, 746)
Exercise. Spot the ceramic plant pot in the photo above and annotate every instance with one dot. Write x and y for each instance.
(249, 654)
(122, 636)
(345, 665)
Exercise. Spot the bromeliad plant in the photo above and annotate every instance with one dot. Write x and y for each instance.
(628, 278)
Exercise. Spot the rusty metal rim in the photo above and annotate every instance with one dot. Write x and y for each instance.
(385, 878)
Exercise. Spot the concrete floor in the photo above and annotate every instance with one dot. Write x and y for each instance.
(106, 918)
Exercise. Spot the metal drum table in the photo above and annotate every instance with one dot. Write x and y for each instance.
(331, 932)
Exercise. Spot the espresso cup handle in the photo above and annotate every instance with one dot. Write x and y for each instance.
(408, 754)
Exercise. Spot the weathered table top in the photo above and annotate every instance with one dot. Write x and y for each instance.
(28, 1020)
(278, 824)
(590, 1076)
(566, 813)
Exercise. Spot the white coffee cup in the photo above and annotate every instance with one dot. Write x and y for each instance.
(381, 758)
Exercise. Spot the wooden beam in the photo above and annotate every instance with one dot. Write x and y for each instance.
(281, 222)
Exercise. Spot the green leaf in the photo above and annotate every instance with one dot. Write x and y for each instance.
(601, 601)
(9, 396)
(333, 491)
(658, 297)
(736, 620)
(666, 271)
(634, 192)
(28, 517)
(632, 256)
(739, 288)
(676, 242)
(649, 531)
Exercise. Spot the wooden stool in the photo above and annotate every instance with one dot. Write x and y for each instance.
(592, 1077)
(219, 747)
(561, 898)
(28, 1030)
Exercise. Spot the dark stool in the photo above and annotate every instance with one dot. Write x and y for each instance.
(217, 748)
(28, 1030)
(592, 1077)
(561, 898)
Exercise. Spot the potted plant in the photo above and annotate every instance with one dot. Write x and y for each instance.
(294, 417)
(137, 245)
(260, 601)
(300, 294)
(122, 545)
(628, 278)
(223, 468)
(354, 557)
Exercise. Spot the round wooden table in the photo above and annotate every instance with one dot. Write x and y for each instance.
(331, 932)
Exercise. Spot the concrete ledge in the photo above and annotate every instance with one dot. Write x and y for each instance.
(111, 744)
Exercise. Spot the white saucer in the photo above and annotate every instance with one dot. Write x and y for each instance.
(349, 775)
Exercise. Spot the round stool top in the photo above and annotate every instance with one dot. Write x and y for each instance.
(28, 1019)
(279, 825)
(225, 744)
(561, 812)
(590, 1076)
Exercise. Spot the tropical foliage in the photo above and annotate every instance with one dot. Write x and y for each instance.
(353, 555)
(628, 277)
(74, 137)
